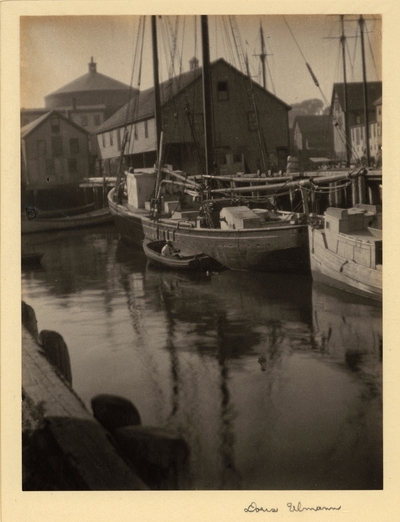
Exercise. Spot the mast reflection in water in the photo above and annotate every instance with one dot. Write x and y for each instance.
(274, 382)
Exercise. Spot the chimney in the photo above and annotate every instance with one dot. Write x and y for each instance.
(193, 63)
(92, 66)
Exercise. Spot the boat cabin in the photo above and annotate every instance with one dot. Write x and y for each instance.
(140, 187)
(354, 234)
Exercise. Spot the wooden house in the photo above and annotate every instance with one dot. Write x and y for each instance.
(239, 131)
(313, 139)
(354, 110)
(54, 155)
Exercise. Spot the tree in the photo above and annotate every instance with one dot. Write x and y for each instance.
(313, 107)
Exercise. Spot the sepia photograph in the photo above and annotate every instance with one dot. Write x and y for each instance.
(200, 242)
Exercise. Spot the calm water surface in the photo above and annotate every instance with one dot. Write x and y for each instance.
(274, 382)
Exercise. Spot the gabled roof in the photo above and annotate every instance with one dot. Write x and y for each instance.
(30, 127)
(141, 105)
(355, 94)
(313, 124)
(91, 81)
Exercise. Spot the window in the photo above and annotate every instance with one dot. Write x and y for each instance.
(103, 138)
(56, 146)
(73, 146)
(50, 171)
(357, 136)
(135, 132)
(55, 124)
(252, 120)
(97, 119)
(119, 139)
(84, 120)
(72, 165)
(237, 158)
(146, 129)
(222, 91)
(111, 138)
(41, 148)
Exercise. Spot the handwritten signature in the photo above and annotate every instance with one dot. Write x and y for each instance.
(253, 508)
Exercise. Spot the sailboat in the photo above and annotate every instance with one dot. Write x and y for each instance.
(236, 236)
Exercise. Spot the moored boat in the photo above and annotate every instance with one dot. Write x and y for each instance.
(87, 219)
(239, 238)
(346, 249)
(184, 259)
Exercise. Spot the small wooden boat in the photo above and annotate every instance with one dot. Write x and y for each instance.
(346, 249)
(184, 259)
(33, 258)
(65, 212)
(86, 219)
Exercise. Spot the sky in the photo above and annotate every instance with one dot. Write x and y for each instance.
(55, 50)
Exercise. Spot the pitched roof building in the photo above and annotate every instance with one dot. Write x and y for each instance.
(354, 110)
(313, 138)
(236, 138)
(54, 155)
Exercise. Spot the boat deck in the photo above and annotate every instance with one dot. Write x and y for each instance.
(363, 235)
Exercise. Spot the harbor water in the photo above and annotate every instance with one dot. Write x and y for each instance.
(274, 382)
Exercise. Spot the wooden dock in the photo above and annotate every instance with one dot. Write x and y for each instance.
(64, 447)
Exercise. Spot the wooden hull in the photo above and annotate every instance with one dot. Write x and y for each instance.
(187, 261)
(332, 269)
(274, 248)
(88, 219)
(67, 212)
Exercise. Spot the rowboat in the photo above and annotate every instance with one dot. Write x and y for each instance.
(58, 213)
(184, 259)
(346, 249)
(87, 219)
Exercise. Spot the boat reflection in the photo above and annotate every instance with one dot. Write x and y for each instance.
(273, 380)
(346, 327)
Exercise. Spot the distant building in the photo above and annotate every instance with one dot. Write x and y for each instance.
(55, 156)
(358, 138)
(313, 140)
(28, 115)
(90, 99)
(236, 137)
(354, 110)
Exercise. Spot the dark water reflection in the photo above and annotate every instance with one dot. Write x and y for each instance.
(274, 382)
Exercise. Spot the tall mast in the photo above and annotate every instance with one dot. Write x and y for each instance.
(209, 147)
(157, 101)
(346, 116)
(361, 22)
(263, 55)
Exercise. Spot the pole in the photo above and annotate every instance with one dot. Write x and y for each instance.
(263, 56)
(346, 116)
(361, 22)
(157, 101)
(207, 95)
